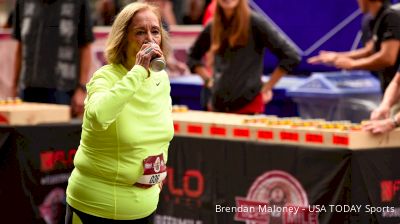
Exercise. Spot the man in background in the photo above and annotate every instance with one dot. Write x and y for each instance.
(53, 51)
(381, 52)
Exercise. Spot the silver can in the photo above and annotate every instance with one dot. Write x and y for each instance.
(157, 64)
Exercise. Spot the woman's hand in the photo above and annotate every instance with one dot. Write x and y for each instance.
(147, 52)
(381, 112)
(379, 126)
(266, 95)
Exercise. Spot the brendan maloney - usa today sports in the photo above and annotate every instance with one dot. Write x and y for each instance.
(311, 208)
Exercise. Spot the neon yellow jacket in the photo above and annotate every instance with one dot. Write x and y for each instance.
(127, 118)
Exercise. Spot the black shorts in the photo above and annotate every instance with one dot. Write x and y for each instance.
(90, 219)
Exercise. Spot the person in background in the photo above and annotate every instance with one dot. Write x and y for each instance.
(111, 8)
(209, 12)
(174, 66)
(106, 10)
(178, 9)
(8, 23)
(381, 53)
(194, 12)
(8, 10)
(237, 38)
(166, 7)
(127, 126)
(381, 119)
(53, 51)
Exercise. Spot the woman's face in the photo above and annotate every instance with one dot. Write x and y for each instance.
(144, 28)
(228, 4)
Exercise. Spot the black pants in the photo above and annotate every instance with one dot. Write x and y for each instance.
(90, 219)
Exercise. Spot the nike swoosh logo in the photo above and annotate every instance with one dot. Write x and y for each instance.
(158, 83)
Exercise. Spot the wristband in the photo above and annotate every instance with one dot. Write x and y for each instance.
(395, 122)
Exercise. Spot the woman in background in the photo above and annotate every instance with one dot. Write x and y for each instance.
(237, 39)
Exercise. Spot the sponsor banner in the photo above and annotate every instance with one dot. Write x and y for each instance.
(212, 181)
(215, 181)
(35, 165)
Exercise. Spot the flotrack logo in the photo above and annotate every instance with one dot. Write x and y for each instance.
(56, 159)
(275, 197)
(186, 189)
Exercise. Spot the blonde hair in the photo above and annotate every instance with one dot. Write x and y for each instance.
(117, 41)
(238, 32)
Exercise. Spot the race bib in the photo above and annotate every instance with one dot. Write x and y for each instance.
(154, 171)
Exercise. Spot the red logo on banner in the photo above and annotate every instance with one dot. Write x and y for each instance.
(188, 189)
(55, 159)
(389, 188)
(275, 197)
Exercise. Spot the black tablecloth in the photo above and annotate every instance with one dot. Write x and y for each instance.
(206, 175)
